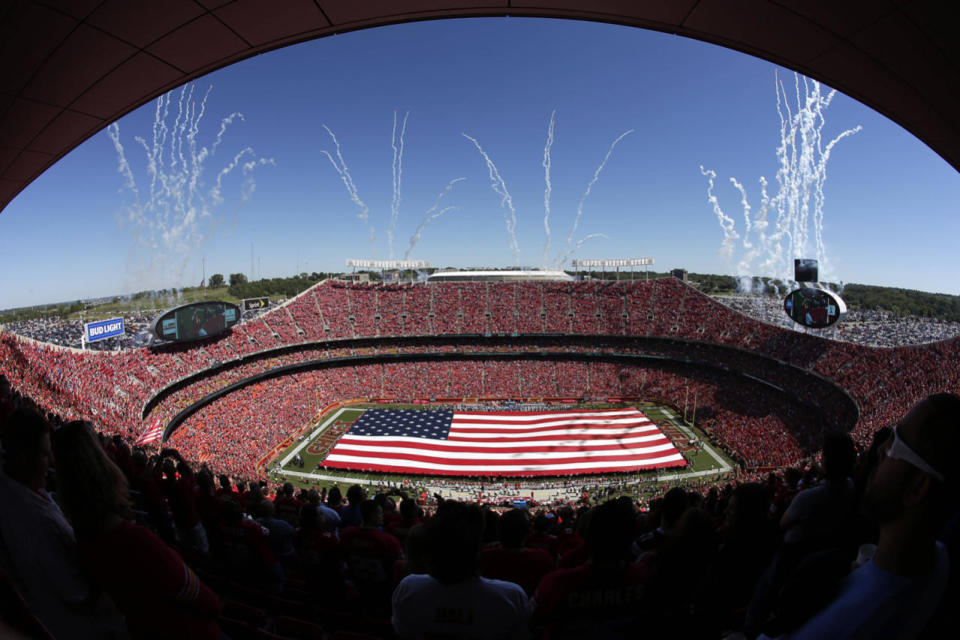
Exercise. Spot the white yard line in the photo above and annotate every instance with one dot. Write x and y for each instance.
(724, 467)
(313, 436)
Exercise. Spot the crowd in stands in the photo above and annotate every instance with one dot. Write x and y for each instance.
(752, 421)
(860, 326)
(69, 333)
(106, 541)
(666, 316)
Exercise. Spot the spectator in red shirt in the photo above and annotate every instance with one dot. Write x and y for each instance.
(320, 554)
(603, 598)
(180, 488)
(288, 505)
(245, 550)
(409, 518)
(157, 593)
(511, 561)
(541, 538)
(371, 556)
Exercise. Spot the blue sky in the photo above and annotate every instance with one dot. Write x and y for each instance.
(889, 214)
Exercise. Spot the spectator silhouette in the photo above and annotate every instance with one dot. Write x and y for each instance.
(158, 594)
(452, 600)
(350, 514)
(371, 557)
(603, 598)
(37, 545)
(819, 518)
(910, 494)
(511, 560)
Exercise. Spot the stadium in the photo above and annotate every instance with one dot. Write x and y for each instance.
(740, 406)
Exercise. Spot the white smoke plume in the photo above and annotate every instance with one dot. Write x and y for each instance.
(397, 178)
(799, 203)
(548, 188)
(172, 215)
(506, 201)
(430, 215)
(340, 166)
(570, 250)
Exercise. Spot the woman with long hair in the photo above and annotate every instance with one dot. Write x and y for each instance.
(157, 593)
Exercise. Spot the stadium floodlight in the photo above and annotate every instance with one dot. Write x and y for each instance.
(387, 265)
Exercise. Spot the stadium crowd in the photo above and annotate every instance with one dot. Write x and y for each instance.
(860, 326)
(68, 333)
(666, 317)
(120, 543)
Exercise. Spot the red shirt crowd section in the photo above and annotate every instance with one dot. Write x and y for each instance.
(112, 388)
(232, 433)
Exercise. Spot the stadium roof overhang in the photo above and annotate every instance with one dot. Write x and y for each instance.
(68, 69)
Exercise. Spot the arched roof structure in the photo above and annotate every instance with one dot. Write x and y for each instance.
(68, 68)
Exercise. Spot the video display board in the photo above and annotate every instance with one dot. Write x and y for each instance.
(814, 308)
(195, 321)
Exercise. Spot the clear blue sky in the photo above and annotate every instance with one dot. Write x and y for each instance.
(889, 218)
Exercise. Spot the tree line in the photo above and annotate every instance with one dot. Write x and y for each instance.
(901, 302)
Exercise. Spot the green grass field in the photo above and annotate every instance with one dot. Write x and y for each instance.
(705, 461)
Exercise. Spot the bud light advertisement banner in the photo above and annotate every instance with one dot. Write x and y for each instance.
(104, 329)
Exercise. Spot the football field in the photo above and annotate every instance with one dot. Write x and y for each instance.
(702, 459)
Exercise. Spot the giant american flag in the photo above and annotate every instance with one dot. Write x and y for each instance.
(503, 443)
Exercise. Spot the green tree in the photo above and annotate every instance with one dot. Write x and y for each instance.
(237, 278)
(216, 280)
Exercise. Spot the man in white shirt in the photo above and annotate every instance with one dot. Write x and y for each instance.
(453, 601)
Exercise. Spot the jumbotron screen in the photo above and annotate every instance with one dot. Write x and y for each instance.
(195, 321)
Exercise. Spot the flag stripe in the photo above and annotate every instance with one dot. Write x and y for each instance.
(625, 454)
(506, 468)
(453, 445)
(503, 443)
(581, 431)
(534, 416)
(546, 426)
(151, 434)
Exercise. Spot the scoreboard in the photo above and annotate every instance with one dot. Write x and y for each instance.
(195, 321)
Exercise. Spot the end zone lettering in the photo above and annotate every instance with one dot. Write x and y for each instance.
(104, 329)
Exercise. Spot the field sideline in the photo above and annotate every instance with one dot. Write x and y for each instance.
(705, 461)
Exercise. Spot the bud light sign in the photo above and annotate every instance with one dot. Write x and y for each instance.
(104, 329)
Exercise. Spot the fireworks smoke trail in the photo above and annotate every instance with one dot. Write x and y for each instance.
(730, 236)
(430, 215)
(397, 178)
(582, 241)
(500, 188)
(171, 217)
(802, 158)
(548, 189)
(746, 211)
(596, 175)
(340, 166)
